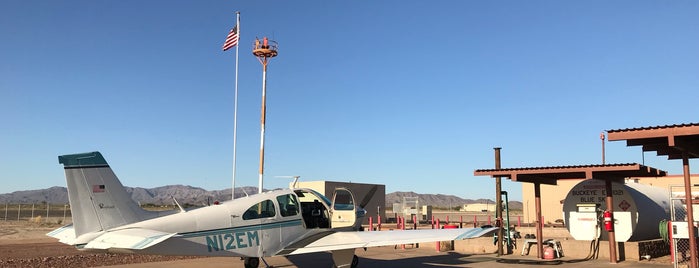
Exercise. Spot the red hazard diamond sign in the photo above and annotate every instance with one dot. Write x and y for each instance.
(624, 205)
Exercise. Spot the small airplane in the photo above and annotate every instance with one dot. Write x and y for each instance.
(274, 223)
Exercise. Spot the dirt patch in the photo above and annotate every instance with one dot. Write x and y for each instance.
(25, 244)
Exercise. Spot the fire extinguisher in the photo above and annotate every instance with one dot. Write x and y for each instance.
(608, 222)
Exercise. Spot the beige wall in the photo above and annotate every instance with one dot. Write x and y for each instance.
(478, 207)
(552, 196)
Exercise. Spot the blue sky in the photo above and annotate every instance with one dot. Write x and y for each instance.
(411, 94)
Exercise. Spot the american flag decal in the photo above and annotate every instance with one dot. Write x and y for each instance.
(98, 188)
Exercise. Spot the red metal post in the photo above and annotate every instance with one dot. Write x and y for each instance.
(539, 223)
(378, 223)
(519, 221)
(610, 208)
(371, 224)
(669, 237)
(437, 243)
(690, 210)
(402, 227)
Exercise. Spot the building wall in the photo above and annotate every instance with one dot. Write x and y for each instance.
(375, 206)
(552, 196)
(478, 207)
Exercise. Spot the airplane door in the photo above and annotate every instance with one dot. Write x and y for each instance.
(344, 210)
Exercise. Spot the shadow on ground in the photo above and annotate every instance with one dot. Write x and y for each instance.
(402, 260)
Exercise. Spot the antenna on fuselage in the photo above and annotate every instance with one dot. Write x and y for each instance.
(293, 183)
(178, 204)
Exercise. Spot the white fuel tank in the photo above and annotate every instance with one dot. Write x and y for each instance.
(638, 209)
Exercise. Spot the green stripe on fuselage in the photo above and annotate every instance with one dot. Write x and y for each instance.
(265, 226)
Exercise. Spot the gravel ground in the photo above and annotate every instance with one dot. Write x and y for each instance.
(24, 244)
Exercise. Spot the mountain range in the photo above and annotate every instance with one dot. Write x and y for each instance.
(194, 196)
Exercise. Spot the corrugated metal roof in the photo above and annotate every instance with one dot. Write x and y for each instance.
(551, 174)
(671, 140)
(557, 167)
(654, 127)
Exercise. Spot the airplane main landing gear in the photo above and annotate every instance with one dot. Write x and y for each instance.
(354, 264)
(251, 262)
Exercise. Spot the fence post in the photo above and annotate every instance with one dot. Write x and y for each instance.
(47, 211)
(32, 212)
(64, 213)
(19, 210)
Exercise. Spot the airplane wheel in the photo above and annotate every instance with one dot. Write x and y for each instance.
(354, 264)
(251, 262)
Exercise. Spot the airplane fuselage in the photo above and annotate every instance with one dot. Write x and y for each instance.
(226, 229)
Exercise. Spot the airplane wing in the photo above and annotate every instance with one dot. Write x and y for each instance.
(350, 240)
(135, 238)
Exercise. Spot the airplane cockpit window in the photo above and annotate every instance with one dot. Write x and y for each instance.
(264, 209)
(343, 201)
(288, 205)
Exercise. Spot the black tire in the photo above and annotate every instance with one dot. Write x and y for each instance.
(251, 262)
(354, 264)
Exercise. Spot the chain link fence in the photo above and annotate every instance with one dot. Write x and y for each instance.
(37, 212)
(680, 239)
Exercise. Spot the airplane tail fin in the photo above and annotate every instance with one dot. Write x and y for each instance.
(98, 200)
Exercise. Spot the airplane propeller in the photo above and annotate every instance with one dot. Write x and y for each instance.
(368, 197)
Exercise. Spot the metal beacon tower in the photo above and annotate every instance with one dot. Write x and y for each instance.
(264, 50)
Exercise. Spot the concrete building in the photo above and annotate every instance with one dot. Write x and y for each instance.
(375, 204)
(478, 207)
(552, 196)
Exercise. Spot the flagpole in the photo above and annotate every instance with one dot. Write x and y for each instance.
(235, 105)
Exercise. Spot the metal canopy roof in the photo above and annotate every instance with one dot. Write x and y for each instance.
(670, 140)
(550, 175)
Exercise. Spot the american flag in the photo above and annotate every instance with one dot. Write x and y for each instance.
(98, 188)
(232, 39)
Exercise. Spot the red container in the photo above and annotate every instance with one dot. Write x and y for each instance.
(549, 253)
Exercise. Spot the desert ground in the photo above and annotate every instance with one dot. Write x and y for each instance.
(24, 244)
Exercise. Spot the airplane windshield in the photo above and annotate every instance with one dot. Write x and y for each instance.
(317, 194)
